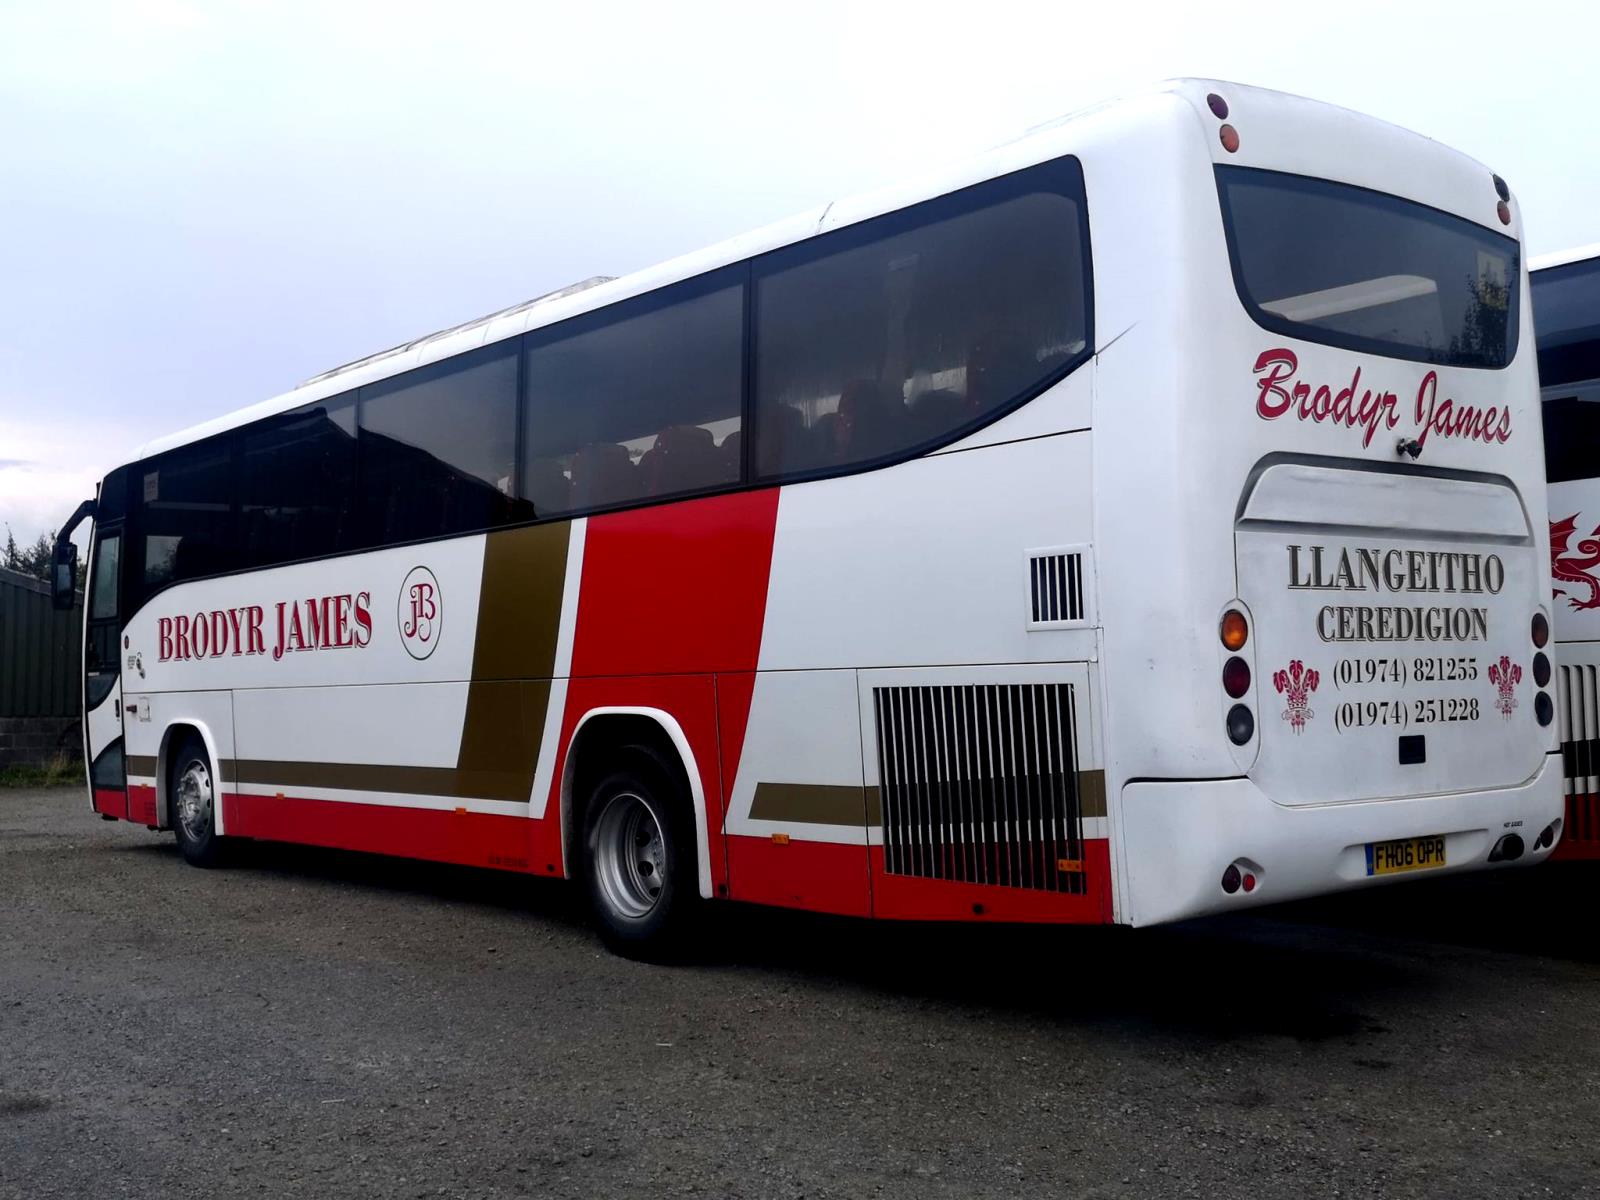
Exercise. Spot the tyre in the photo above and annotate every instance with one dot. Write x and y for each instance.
(639, 859)
(193, 793)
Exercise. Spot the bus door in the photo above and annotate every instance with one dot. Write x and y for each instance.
(102, 682)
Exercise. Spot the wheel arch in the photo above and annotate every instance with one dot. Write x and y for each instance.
(612, 726)
(171, 738)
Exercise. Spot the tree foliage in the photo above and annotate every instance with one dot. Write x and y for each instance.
(32, 560)
(36, 559)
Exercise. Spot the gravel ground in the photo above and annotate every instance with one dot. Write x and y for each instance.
(310, 1023)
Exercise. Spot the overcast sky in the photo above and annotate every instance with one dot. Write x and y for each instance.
(203, 203)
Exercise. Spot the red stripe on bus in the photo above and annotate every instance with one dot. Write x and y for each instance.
(112, 802)
(142, 804)
(1580, 835)
(471, 839)
(910, 898)
(818, 876)
(674, 590)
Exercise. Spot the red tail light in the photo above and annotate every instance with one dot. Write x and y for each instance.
(1236, 677)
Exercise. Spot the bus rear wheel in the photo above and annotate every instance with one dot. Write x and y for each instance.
(639, 860)
(193, 790)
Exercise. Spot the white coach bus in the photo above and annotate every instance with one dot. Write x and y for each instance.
(1565, 289)
(1142, 520)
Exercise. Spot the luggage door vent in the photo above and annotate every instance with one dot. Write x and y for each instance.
(979, 784)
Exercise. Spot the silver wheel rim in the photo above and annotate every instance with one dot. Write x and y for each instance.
(630, 855)
(194, 801)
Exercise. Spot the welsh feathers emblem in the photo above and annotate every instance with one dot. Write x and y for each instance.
(1575, 569)
(1505, 675)
(1296, 685)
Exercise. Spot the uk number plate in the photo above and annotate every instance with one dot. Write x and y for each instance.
(1405, 854)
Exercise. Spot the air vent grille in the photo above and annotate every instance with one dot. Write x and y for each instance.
(979, 784)
(1057, 587)
(1578, 699)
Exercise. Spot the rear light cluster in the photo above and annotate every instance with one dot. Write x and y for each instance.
(1239, 879)
(1544, 707)
(1228, 134)
(1235, 632)
(1548, 835)
(1507, 849)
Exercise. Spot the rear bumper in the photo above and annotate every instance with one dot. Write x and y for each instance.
(1179, 837)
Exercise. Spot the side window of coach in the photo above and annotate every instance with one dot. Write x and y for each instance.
(637, 402)
(1571, 430)
(297, 483)
(439, 448)
(186, 513)
(902, 331)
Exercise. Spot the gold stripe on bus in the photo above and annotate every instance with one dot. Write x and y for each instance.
(1091, 793)
(282, 775)
(519, 604)
(811, 803)
(513, 658)
(845, 804)
(501, 736)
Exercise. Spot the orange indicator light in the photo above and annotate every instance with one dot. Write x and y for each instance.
(1235, 629)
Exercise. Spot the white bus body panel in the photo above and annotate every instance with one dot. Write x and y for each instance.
(1151, 462)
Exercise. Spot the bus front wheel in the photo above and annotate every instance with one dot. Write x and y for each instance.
(194, 804)
(639, 859)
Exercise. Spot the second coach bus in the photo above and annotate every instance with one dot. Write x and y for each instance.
(1566, 306)
(1141, 520)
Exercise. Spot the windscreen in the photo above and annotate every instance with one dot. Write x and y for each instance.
(1355, 268)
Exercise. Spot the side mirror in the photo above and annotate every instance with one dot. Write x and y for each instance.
(64, 576)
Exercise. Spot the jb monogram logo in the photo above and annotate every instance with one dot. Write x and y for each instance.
(420, 613)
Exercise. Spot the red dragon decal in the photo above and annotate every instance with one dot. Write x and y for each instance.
(1575, 568)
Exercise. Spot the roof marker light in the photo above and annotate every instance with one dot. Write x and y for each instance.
(1219, 107)
(1501, 189)
(1502, 208)
(1230, 143)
